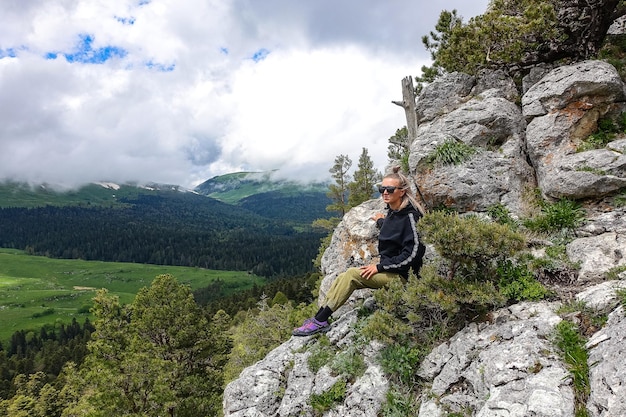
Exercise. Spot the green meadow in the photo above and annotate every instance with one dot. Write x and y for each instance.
(37, 291)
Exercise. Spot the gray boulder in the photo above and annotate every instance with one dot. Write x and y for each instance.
(281, 384)
(506, 367)
(443, 95)
(562, 111)
(607, 377)
(585, 84)
(497, 173)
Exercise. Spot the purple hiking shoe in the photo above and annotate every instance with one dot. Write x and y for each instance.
(310, 327)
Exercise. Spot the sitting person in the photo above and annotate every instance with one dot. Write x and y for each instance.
(398, 246)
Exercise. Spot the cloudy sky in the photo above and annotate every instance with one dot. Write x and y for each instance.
(179, 91)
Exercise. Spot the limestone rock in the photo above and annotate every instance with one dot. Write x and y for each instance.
(497, 173)
(607, 376)
(597, 254)
(503, 84)
(563, 109)
(507, 367)
(281, 384)
(443, 95)
(602, 297)
(590, 83)
(618, 27)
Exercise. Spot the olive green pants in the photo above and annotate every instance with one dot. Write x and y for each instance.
(344, 285)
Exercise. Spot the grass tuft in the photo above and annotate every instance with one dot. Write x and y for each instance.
(572, 347)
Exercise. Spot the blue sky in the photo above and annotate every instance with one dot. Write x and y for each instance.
(180, 91)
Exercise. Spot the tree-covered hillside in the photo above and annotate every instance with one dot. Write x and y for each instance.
(167, 228)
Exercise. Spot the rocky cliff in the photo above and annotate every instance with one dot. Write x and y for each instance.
(527, 139)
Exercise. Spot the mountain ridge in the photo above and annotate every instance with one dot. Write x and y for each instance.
(229, 188)
(165, 225)
(234, 187)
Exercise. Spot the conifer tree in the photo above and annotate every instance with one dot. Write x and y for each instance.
(506, 33)
(156, 357)
(339, 190)
(516, 34)
(398, 149)
(365, 179)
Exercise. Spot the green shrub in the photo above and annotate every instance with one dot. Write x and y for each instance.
(400, 361)
(349, 363)
(516, 282)
(401, 402)
(563, 215)
(385, 327)
(451, 152)
(470, 244)
(326, 400)
(321, 354)
(500, 214)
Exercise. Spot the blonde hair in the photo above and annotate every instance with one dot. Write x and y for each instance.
(406, 186)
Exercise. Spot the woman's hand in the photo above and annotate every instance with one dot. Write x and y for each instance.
(368, 271)
(377, 216)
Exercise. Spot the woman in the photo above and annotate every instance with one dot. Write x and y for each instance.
(398, 246)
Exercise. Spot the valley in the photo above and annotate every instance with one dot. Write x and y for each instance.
(37, 291)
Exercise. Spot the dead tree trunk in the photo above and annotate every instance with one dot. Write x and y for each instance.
(408, 103)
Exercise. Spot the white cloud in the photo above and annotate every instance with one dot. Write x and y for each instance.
(168, 91)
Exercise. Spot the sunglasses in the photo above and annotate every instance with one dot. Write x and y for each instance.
(389, 188)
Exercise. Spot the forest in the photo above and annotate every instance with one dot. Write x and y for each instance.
(31, 360)
(181, 229)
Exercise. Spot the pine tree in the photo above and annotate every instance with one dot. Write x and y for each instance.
(365, 179)
(516, 34)
(399, 148)
(508, 32)
(339, 190)
(156, 357)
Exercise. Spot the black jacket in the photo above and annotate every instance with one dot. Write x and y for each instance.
(399, 246)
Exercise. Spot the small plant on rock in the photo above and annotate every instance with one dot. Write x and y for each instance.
(327, 400)
(400, 361)
(500, 214)
(401, 402)
(349, 363)
(607, 131)
(572, 347)
(451, 152)
(564, 215)
(321, 354)
(517, 282)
